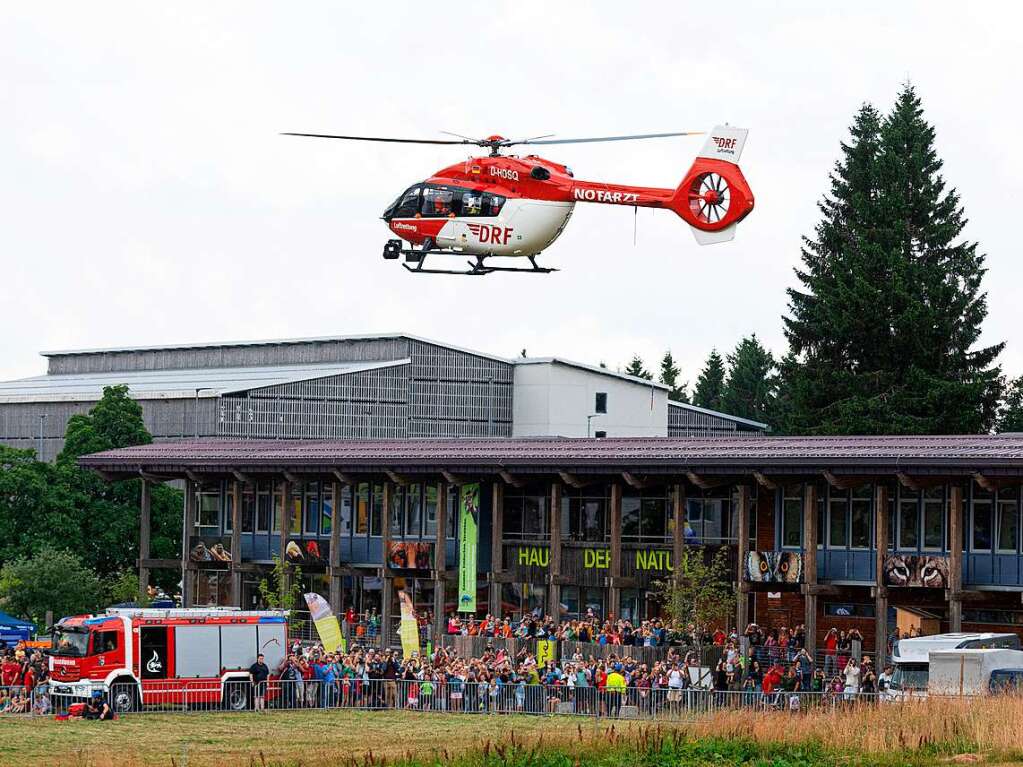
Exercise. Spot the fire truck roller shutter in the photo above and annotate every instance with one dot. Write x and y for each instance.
(273, 642)
(238, 646)
(197, 652)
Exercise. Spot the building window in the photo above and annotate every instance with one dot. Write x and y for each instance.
(376, 512)
(396, 513)
(710, 519)
(312, 509)
(584, 518)
(362, 509)
(792, 517)
(600, 434)
(600, 402)
(346, 511)
(860, 514)
(208, 508)
(525, 517)
(454, 508)
(909, 520)
(431, 512)
(1008, 520)
(326, 509)
(838, 526)
(645, 517)
(413, 512)
(264, 507)
(248, 510)
(981, 522)
(934, 519)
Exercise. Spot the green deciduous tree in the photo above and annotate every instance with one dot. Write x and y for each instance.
(700, 590)
(710, 384)
(669, 376)
(637, 368)
(281, 589)
(883, 326)
(751, 386)
(52, 579)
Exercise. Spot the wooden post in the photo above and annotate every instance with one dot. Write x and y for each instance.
(145, 515)
(678, 533)
(334, 569)
(440, 564)
(810, 567)
(554, 569)
(387, 592)
(955, 543)
(496, 548)
(742, 602)
(236, 543)
(285, 525)
(188, 527)
(880, 589)
(614, 593)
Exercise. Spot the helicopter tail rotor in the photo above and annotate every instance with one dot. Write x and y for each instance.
(714, 196)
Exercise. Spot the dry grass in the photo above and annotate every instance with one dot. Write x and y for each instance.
(994, 725)
(943, 728)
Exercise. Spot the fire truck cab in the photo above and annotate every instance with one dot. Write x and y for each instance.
(136, 656)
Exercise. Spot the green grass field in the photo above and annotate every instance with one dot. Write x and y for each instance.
(913, 735)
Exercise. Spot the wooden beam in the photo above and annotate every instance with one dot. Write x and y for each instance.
(985, 483)
(452, 479)
(764, 481)
(918, 483)
(633, 481)
(343, 478)
(509, 479)
(293, 479)
(397, 479)
(841, 483)
(571, 480)
(193, 476)
(705, 484)
(243, 478)
(157, 478)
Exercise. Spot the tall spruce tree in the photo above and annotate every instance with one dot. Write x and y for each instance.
(637, 368)
(1010, 418)
(882, 328)
(669, 376)
(710, 384)
(751, 386)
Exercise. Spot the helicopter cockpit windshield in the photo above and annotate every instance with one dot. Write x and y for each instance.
(442, 201)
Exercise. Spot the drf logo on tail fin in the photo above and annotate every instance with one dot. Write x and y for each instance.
(492, 234)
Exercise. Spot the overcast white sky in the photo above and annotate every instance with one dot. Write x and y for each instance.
(147, 198)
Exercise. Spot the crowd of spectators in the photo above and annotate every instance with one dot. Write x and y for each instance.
(24, 676)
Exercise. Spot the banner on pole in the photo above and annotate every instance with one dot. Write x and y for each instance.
(326, 623)
(468, 542)
(544, 651)
(408, 628)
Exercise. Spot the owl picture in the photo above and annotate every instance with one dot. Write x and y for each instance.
(774, 567)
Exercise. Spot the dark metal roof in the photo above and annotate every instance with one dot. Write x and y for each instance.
(998, 454)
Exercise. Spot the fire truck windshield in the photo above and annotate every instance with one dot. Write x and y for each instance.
(70, 643)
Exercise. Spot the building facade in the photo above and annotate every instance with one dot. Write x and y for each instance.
(829, 532)
(390, 386)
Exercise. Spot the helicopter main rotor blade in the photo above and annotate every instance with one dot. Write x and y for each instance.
(380, 138)
(602, 138)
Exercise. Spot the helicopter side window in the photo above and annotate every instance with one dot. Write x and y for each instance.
(472, 203)
(438, 202)
(408, 207)
(492, 204)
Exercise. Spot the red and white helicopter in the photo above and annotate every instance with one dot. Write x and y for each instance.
(502, 205)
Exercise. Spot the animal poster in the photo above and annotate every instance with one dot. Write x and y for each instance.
(410, 555)
(468, 542)
(774, 567)
(916, 570)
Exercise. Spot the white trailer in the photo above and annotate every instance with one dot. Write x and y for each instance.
(911, 657)
(968, 672)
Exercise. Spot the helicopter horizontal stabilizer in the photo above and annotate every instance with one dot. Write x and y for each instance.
(713, 238)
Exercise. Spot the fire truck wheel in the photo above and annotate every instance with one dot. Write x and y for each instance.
(123, 696)
(236, 696)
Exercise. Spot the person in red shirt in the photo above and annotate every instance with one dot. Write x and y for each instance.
(10, 672)
(830, 646)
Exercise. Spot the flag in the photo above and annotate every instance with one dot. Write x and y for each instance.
(326, 623)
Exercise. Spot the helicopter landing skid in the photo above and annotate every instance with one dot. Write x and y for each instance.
(476, 268)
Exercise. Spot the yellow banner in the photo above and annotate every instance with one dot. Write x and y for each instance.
(408, 629)
(544, 651)
(326, 623)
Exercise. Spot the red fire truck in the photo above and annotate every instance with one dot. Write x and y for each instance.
(136, 657)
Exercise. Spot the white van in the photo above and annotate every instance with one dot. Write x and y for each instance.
(911, 657)
(970, 671)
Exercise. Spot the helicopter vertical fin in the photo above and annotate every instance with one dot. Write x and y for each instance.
(714, 196)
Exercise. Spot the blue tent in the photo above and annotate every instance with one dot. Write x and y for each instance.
(14, 630)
